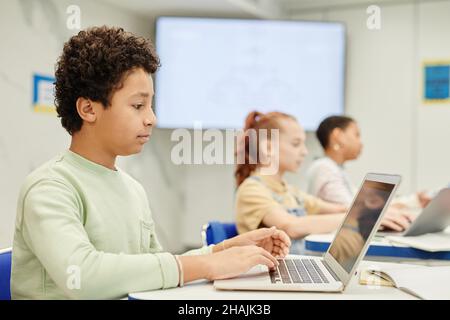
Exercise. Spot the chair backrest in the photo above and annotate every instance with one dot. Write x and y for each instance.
(215, 232)
(5, 274)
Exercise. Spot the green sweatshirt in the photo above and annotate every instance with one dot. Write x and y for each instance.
(84, 231)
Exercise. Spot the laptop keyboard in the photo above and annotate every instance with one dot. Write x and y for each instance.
(298, 271)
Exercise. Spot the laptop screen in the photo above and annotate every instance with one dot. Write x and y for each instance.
(359, 222)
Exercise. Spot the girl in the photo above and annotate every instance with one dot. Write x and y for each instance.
(340, 138)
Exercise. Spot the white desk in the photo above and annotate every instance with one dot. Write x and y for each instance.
(203, 290)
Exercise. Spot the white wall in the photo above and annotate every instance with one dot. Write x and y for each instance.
(433, 121)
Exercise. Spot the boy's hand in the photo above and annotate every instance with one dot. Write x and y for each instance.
(273, 240)
(236, 261)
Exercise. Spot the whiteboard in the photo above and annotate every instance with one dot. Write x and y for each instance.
(215, 71)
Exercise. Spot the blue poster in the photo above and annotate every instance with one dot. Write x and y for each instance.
(43, 94)
(437, 82)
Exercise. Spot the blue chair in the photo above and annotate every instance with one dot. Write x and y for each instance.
(5, 274)
(214, 232)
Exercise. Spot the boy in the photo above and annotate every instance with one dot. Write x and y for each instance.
(84, 228)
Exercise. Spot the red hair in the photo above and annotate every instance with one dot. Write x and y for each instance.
(256, 121)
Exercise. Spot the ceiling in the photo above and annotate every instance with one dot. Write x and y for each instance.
(178, 7)
(255, 8)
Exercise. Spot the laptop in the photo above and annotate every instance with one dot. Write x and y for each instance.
(333, 271)
(435, 217)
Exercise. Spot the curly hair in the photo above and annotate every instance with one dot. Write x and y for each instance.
(93, 65)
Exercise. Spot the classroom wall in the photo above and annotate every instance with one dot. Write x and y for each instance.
(433, 121)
